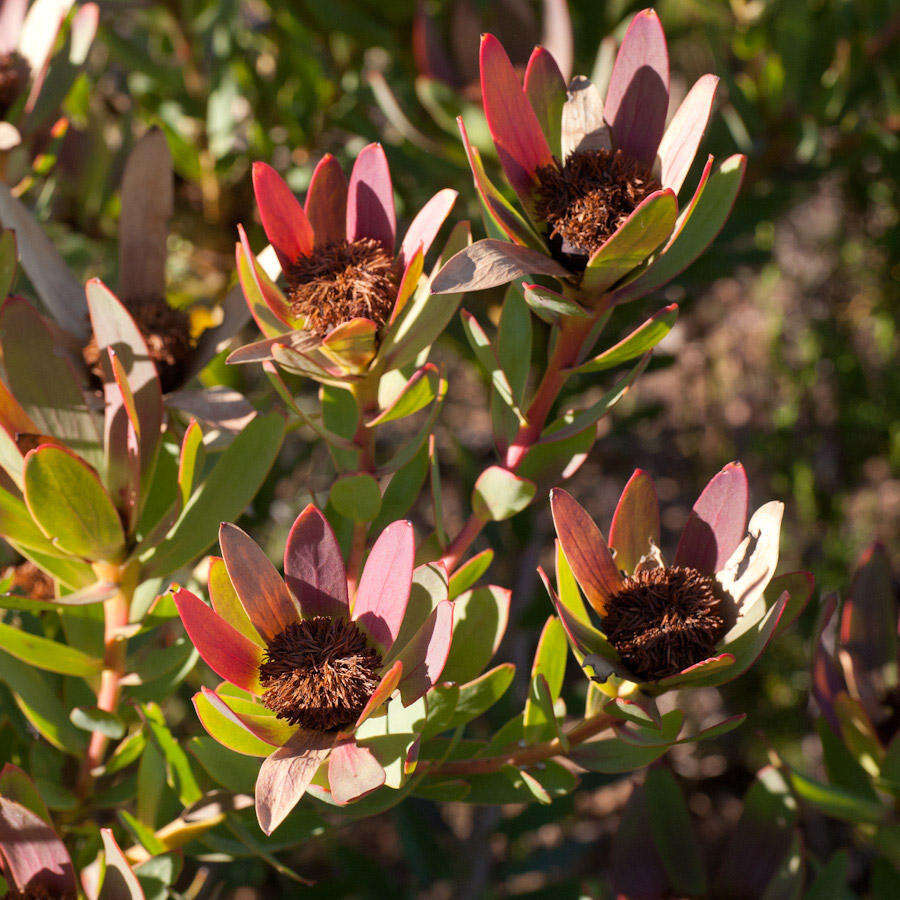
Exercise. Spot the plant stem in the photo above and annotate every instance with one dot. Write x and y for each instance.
(572, 335)
(365, 393)
(116, 611)
(527, 756)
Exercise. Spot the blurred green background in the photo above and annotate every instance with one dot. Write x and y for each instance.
(785, 354)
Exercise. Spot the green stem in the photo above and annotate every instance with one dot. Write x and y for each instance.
(365, 392)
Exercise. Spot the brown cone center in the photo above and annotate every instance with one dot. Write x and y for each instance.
(13, 78)
(32, 582)
(587, 199)
(167, 332)
(343, 280)
(663, 620)
(319, 673)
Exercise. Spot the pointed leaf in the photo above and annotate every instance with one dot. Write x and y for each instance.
(499, 494)
(425, 656)
(638, 95)
(385, 584)
(635, 524)
(585, 549)
(545, 88)
(718, 522)
(682, 138)
(425, 226)
(370, 199)
(283, 218)
(67, 500)
(326, 201)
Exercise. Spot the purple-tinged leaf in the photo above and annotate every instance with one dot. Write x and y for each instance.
(263, 593)
(638, 95)
(504, 216)
(370, 199)
(353, 772)
(488, 263)
(314, 568)
(267, 304)
(718, 522)
(585, 549)
(425, 655)
(635, 523)
(286, 774)
(425, 226)
(385, 584)
(517, 134)
(326, 201)
(35, 861)
(114, 329)
(230, 654)
(545, 87)
(682, 138)
(283, 218)
(147, 199)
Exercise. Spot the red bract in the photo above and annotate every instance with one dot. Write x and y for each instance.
(348, 291)
(597, 179)
(261, 634)
(854, 681)
(708, 616)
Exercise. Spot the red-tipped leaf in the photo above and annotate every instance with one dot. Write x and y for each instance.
(326, 201)
(682, 138)
(638, 95)
(425, 226)
(370, 199)
(314, 568)
(283, 218)
(635, 523)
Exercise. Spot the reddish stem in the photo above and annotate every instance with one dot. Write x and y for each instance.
(527, 756)
(572, 336)
(116, 611)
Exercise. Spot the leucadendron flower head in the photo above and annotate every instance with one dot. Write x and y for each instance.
(352, 301)
(597, 178)
(701, 619)
(306, 667)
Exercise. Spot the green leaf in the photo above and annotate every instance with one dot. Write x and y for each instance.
(550, 663)
(17, 786)
(236, 773)
(399, 397)
(469, 572)
(551, 306)
(402, 491)
(481, 694)
(95, 719)
(480, 617)
(551, 782)
(643, 231)
(643, 339)
(513, 343)
(36, 697)
(43, 380)
(8, 256)
(67, 500)
(181, 776)
(144, 835)
(17, 525)
(499, 494)
(842, 767)
(697, 225)
(670, 824)
(222, 497)
(832, 881)
(232, 736)
(357, 497)
(46, 654)
(487, 359)
(837, 802)
(126, 753)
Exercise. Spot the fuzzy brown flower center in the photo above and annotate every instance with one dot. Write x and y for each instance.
(341, 281)
(319, 673)
(665, 619)
(167, 332)
(14, 72)
(587, 199)
(30, 581)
